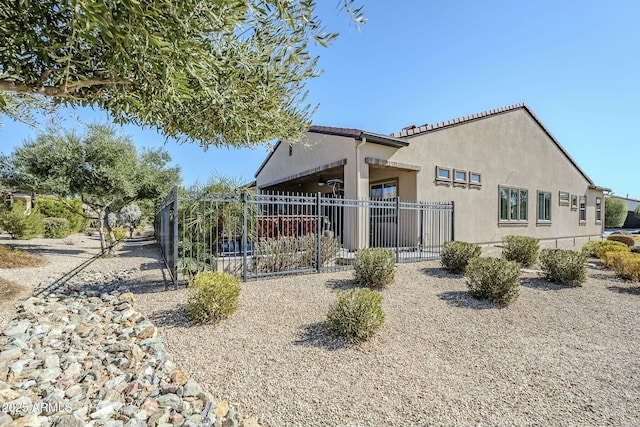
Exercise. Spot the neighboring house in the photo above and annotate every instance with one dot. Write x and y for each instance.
(24, 198)
(632, 221)
(503, 169)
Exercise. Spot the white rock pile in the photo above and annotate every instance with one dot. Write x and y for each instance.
(83, 356)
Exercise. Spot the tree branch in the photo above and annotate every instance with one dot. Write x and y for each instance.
(61, 91)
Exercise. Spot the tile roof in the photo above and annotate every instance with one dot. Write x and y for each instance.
(414, 130)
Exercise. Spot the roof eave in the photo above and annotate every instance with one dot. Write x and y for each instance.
(383, 140)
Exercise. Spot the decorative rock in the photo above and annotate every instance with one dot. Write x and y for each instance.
(222, 408)
(179, 376)
(147, 332)
(191, 389)
(67, 421)
(169, 401)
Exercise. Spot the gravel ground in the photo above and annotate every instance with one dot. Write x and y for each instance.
(557, 356)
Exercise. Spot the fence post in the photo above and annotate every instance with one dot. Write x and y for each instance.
(244, 236)
(397, 228)
(319, 231)
(453, 222)
(175, 237)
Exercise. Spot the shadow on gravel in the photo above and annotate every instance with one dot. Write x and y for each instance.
(440, 272)
(462, 299)
(43, 250)
(314, 335)
(341, 284)
(171, 318)
(541, 284)
(635, 290)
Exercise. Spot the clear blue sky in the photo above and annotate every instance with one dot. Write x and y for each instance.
(575, 63)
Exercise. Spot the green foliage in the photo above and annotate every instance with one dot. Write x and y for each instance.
(329, 248)
(615, 212)
(374, 267)
(70, 209)
(355, 315)
(622, 238)
(19, 224)
(56, 228)
(636, 212)
(120, 233)
(216, 72)
(563, 266)
(605, 246)
(212, 296)
(625, 264)
(611, 252)
(456, 255)
(494, 279)
(521, 249)
(589, 248)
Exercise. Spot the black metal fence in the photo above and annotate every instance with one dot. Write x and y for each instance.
(260, 235)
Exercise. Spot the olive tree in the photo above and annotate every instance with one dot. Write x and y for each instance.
(102, 167)
(225, 72)
(130, 216)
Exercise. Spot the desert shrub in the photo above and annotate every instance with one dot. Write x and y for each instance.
(521, 249)
(70, 209)
(329, 248)
(278, 254)
(374, 267)
(597, 248)
(56, 228)
(456, 255)
(292, 253)
(356, 314)
(19, 224)
(615, 212)
(212, 296)
(627, 239)
(610, 246)
(120, 233)
(190, 267)
(493, 279)
(626, 265)
(563, 266)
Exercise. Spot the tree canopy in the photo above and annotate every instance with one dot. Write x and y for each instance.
(615, 212)
(217, 72)
(102, 167)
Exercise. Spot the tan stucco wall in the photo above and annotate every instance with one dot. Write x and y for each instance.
(507, 149)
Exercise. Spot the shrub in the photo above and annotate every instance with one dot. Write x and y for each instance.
(610, 254)
(493, 279)
(615, 212)
(456, 255)
(356, 314)
(521, 249)
(56, 228)
(622, 238)
(626, 265)
(374, 267)
(19, 224)
(70, 209)
(590, 247)
(120, 233)
(212, 296)
(563, 266)
(610, 246)
(329, 248)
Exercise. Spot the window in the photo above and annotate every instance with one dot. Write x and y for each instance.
(460, 176)
(384, 190)
(574, 202)
(583, 208)
(563, 198)
(513, 204)
(443, 174)
(598, 210)
(544, 206)
(474, 178)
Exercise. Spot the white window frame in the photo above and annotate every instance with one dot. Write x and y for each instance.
(520, 218)
(541, 217)
(477, 183)
(582, 210)
(598, 210)
(564, 198)
(444, 179)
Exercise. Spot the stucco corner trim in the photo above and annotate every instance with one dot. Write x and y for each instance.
(387, 163)
(306, 172)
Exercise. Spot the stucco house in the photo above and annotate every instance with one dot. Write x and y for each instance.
(503, 169)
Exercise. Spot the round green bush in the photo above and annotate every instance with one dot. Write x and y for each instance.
(355, 315)
(605, 246)
(375, 267)
(563, 266)
(56, 228)
(456, 255)
(494, 279)
(521, 249)
(213, 296)
(627, 239)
